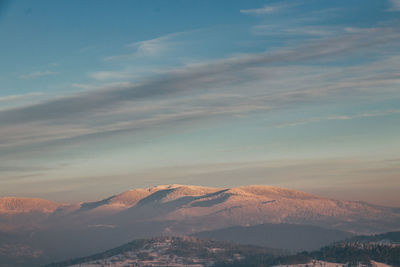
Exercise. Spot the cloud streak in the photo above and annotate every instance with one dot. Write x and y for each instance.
(149, 48)
(267, 9)
(395, 5)
(37, 74)
(176, 95)
(153, 46)
(340, 118)
(111, 75)
(10, 98)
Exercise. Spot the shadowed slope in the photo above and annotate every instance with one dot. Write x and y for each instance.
(284, 236)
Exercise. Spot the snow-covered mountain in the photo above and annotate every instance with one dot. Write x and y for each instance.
(60, 231)
(198, 208)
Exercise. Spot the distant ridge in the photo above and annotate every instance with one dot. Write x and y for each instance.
(22, 205)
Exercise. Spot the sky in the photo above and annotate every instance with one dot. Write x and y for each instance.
(99, 97)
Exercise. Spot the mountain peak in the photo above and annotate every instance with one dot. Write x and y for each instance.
(170, 192)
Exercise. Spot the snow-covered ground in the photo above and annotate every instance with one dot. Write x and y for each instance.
(379, 264)
(158, 254)
(317, 263)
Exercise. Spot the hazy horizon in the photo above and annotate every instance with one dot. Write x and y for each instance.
(99, 97)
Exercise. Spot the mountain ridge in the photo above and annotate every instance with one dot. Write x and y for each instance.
(23, 204)
(133, 196)
(223, 207)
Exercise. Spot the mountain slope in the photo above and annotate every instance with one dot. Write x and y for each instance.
(197, 209)
(283, 236)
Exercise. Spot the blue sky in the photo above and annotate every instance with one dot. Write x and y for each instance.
(97, 97)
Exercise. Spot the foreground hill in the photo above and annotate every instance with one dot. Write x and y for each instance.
(42, 231)
(171, 251)
(189, 251)
(376, 250)
(385, 238)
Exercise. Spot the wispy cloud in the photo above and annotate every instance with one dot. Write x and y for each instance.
(37, 74)
(19, 97)
(293, 30)
(267, 9)
(339, 117)
(91, 86)
(175, 96)
(111, 75)
(13, 101)
(361, 30)
(395, 5)
(153, 46)
(149, 48)
(311, 30)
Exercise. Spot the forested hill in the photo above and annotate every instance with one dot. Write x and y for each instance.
(190, 251)
(359, 250)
